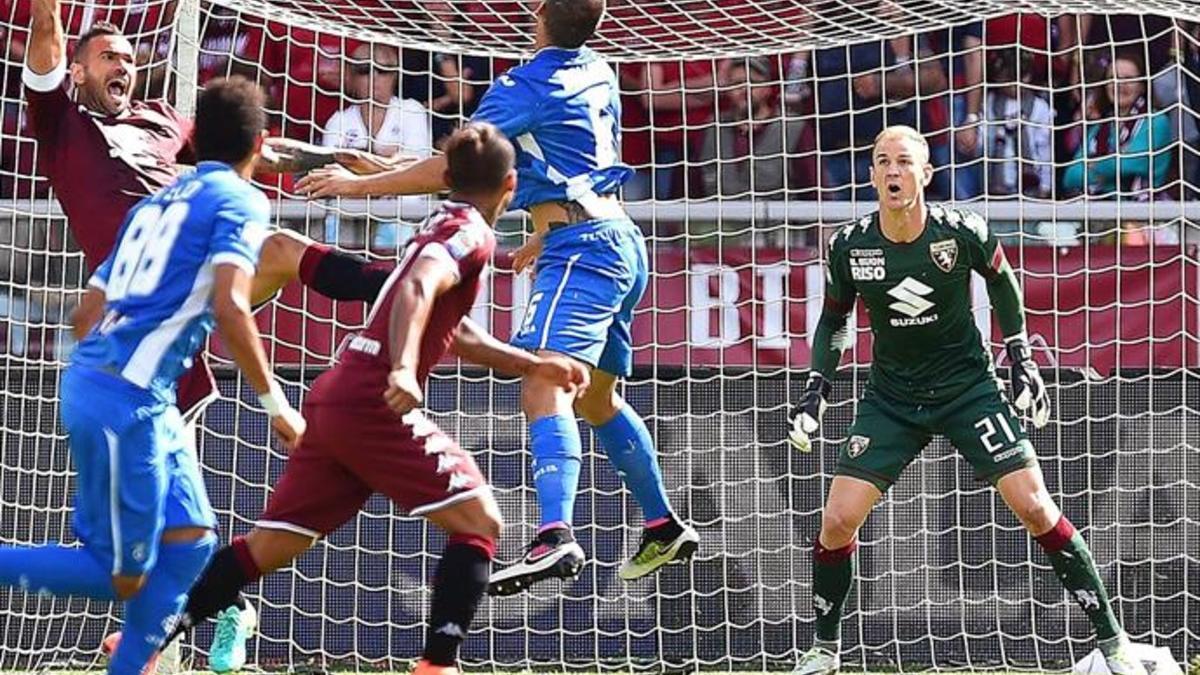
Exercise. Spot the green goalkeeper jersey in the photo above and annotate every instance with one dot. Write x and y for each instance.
(918, 296)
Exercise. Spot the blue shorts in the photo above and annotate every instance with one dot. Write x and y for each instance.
(590, 277)
(137, 474)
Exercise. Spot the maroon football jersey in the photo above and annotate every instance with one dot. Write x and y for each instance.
(100, 166)
(360, 377)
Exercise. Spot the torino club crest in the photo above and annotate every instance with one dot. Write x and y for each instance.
(944, 254)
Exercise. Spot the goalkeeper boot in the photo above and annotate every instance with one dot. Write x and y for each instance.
(234, 627)
(554, 553)
(671, 542)
(818, 661)
(1119, 657)
(109, 647)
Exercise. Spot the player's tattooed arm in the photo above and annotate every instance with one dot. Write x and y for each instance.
(426, 176)
(285, 155)
(474, 344)
(47, 40)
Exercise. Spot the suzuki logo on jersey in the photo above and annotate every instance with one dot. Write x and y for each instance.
(867, 264)
(910, 302)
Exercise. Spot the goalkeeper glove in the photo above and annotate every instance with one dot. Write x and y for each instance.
(806, 416)
(1029, 391)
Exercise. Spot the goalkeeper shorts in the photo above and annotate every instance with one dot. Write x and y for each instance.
(888, 434)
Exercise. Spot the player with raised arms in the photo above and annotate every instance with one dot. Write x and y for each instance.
(911, 263)
(184, 261)
(103, 152)
(562, 111)
(367, 433)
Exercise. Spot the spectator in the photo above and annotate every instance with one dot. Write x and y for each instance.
(313, 69)
(665, 106)
(965, 66)
(1126, 148)
(854, 86)
(1176, 90)
(1017, 131)
(449, 85)
(234, 44)
(382, 123)
(748, 151)
(931, 87)
(1191, 64)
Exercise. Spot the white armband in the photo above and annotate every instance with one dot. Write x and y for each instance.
(46, 81)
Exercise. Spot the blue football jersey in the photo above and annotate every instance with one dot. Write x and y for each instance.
(562, 111)
(158, 279)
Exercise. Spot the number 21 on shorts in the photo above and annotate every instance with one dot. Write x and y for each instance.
(992, 426)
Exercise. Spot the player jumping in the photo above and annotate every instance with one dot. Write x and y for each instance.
(911, 264)
(376, 390)
(562, 111)
(183, 262)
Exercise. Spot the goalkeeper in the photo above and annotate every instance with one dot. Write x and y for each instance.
(911, 263)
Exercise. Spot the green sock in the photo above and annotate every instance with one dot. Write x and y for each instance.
(1073, 564)
(833, 574)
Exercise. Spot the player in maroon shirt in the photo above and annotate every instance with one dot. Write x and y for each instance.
(366, 432)
(104, 152)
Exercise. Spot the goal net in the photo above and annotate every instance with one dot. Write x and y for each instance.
(1071, 126)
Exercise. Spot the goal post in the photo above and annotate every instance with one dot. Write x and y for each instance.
(747, 122)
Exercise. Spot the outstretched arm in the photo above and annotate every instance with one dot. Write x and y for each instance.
(285, 155)
(339, 275)
(419, 178)
(474, 344)
(46, 40)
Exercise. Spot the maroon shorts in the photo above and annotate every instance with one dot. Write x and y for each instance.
(348, 454)
(196, 389)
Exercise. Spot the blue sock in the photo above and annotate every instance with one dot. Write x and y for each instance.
(557, 452)
(151, 614)
(57, 570)
(627, 441)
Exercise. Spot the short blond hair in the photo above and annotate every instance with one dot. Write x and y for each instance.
(904, 132)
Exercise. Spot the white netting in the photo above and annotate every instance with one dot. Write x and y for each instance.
(734, 211)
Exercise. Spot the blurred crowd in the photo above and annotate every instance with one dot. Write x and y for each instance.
(1051, 108)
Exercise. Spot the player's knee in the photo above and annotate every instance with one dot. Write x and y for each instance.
(601, 402)
(598, 407)
(541, 398)
(483, 525)
(1037, 512)
(281, 252)
(273, 549)
(490, 527)
(838, 527)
